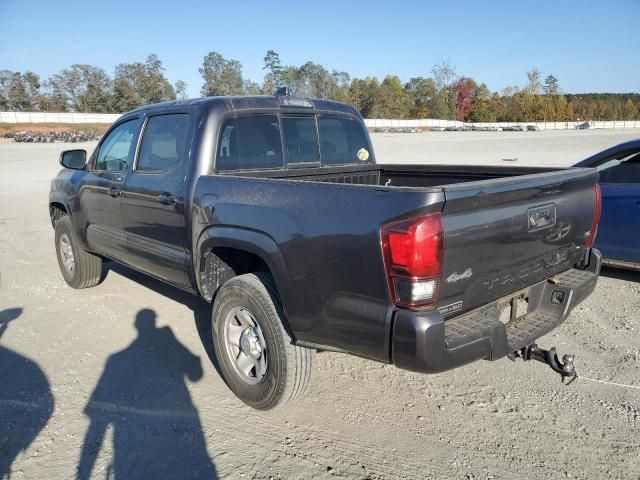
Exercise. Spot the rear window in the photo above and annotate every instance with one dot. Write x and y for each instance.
(254, 142)
(300, 139)
(342, 140)
(249, 142)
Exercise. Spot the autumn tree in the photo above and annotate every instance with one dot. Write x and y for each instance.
(464, 91)
(533, 81)
(273, 77)
(364, 94)
(221, 76)
(180, 88)
(551, 85)
(444, 102)
(314, 81)
(391, 99)
(137, 84)
(88, 88)
(20, 91)
(482, 109)
(630, 110)
(340, 87)
(421, 93)
(51, 99)
(83, 88)
(251, 88)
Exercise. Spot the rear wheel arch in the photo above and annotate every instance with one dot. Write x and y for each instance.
(220, 264)
(238, 251)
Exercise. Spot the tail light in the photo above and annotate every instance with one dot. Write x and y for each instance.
(596, 217)
(413, 251)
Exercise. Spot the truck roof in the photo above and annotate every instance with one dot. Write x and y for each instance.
(253, 102)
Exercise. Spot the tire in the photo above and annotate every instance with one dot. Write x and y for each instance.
(281, 372)
(84, 269)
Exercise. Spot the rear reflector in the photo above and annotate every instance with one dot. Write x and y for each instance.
(596, 217)
(413, 251)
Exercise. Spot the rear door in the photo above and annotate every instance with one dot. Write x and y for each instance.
(506, 234)
(153, 199)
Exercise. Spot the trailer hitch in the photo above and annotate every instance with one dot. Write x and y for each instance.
(565, 368)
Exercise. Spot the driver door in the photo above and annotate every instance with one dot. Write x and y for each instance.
(101, 190)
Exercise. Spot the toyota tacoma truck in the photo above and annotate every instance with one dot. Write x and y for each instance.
(274, 209)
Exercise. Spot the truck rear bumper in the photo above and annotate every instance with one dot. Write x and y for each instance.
(425, 342)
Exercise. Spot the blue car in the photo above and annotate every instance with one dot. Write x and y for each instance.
(618, 235)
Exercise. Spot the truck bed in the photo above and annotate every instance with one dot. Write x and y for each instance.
(400, 175)
(329, 235)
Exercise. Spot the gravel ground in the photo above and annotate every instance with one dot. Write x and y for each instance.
(555, 147)
(66, 356)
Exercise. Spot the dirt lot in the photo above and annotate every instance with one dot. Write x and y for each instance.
(83, 383)
(554, 147)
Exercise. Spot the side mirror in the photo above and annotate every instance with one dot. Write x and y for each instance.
(74, 159)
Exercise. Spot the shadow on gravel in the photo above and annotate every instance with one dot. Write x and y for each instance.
(620, 274)
(26, 402)
(143, 397)
(200, 308)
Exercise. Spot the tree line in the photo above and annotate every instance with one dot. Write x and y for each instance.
(442, 94)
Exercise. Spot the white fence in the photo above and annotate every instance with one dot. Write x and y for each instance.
(425, 122)
(432, 123)
(47, 117)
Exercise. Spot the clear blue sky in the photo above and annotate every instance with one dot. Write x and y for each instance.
(589, 46)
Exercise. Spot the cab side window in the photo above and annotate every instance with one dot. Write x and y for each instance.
(115, 153)
(164, 142)
(249, 142)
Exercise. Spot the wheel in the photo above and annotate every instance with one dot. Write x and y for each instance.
(79, 268)
(257, 359)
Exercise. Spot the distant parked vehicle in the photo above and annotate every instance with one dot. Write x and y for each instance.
(583, 126)
(619, 232)
(533, 128)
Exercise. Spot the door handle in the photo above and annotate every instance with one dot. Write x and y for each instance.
(167, 199)
(115, 192)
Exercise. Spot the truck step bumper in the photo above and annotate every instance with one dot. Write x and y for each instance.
(425, 342)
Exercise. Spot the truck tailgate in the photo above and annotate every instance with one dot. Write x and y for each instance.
(504, 235)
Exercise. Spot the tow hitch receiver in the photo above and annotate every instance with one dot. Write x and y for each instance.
(565, 368)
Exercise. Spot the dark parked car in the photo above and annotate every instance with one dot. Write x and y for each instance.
(274, 210)
(619, 232)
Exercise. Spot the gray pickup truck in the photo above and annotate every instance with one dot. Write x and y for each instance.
(274, 209)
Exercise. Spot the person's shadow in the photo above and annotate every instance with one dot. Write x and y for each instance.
(142, 395)
(26, 402)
